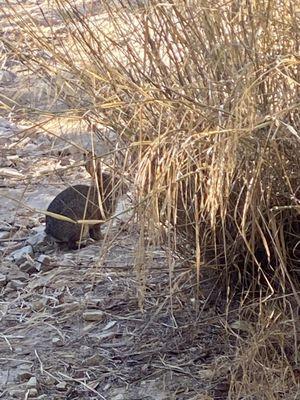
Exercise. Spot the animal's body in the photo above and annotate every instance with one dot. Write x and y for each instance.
(81, 202)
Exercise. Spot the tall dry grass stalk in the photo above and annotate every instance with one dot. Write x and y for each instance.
(204, 97)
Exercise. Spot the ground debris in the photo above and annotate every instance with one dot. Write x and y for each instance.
(72, 325)
(93, 315)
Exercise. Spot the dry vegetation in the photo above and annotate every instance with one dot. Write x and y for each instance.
(204, 99)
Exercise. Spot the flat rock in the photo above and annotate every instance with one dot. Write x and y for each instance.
(21, 254)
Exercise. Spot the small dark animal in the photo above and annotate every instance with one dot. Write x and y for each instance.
(81, 202)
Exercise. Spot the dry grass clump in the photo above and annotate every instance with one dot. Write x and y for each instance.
(205, 98)
(233, 197)
(267, 359)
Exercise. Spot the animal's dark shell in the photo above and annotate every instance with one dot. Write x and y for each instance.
(80, 202)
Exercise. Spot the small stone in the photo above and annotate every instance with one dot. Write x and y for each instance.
(32, 392)
(21, 255)
(16, 284)
(28, 267)
(57, 341)
(93, 315)
(32, 383)
(36, 239)
(42, 397)
(61, 385)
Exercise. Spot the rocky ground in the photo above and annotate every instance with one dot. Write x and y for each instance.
(85, 324)
(71, 323)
